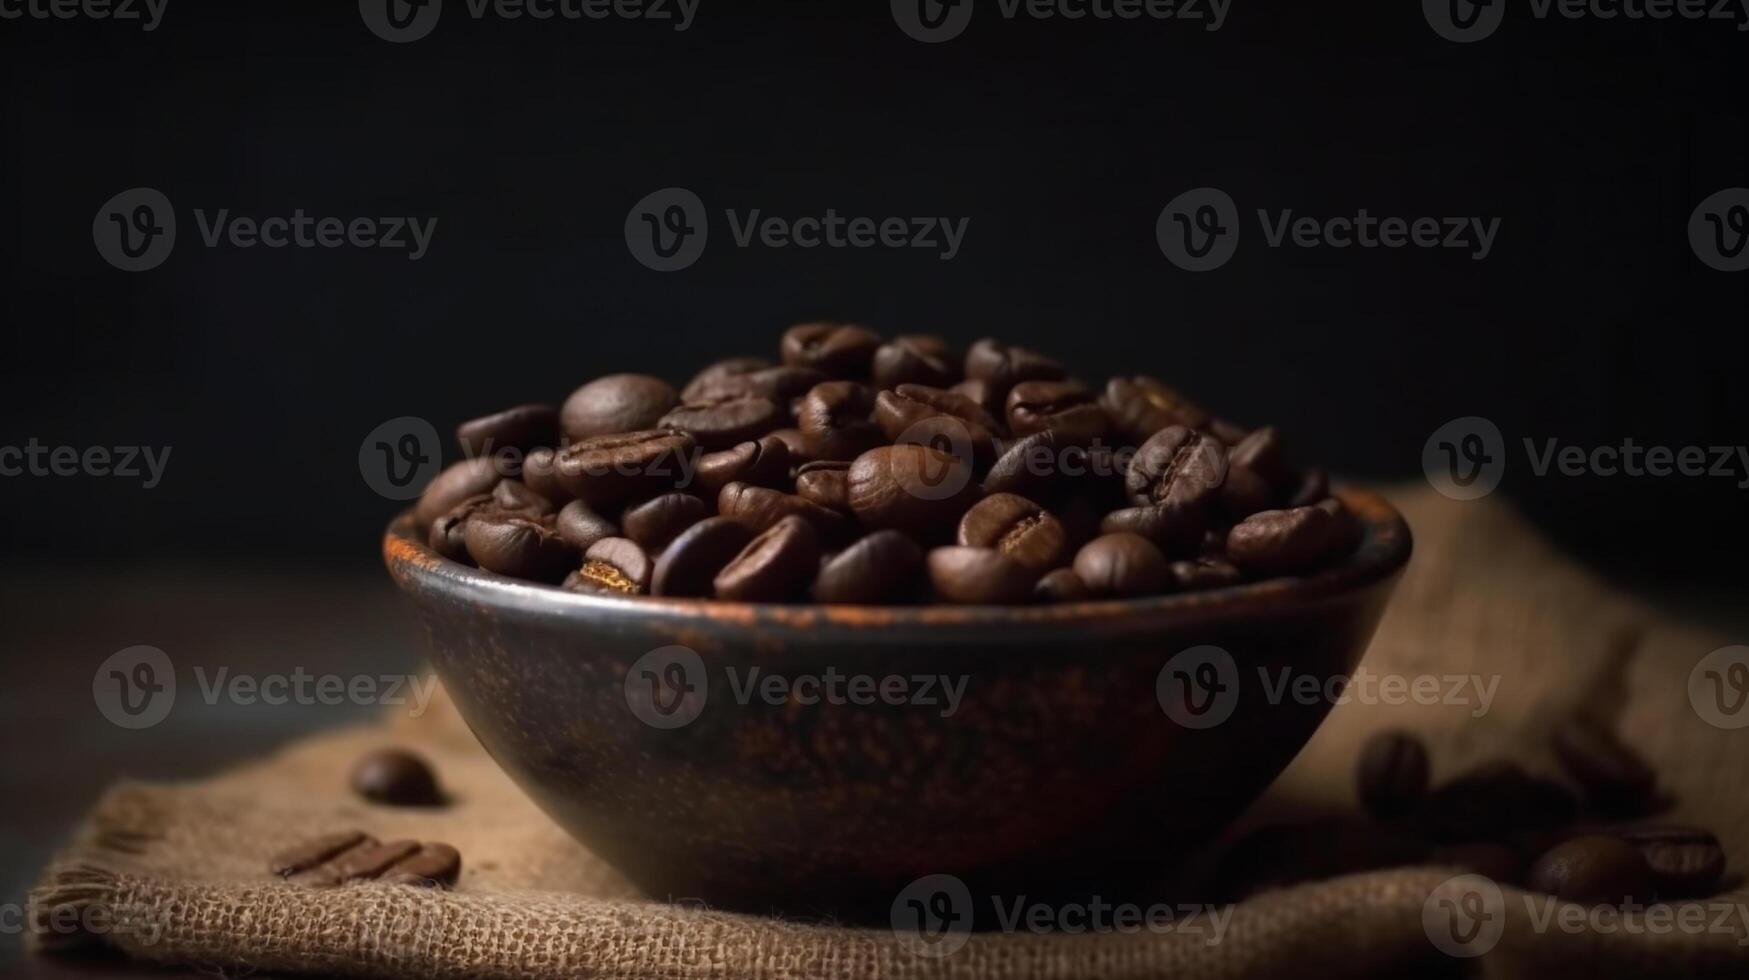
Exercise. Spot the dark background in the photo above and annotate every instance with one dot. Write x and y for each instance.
(1591, 321)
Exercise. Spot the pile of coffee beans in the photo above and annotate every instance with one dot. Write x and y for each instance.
(857, 469)
(1593, 845)
(352, 855)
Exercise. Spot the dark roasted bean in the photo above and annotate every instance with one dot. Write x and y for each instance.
(458, 482)
(395, 777)
(1140, 407)
(361, 863)
(1261, 452)
(1392, 775)
(836, 423)
(982, 393)
(1060, 585)
(841, 350)
(309, 854)
(657, 521)
(1176, 465)
(1058, 406)
(448, 533)
(1314, 485)
(1282, 542)
(1002, 366)
(979, 577)
(1204, 573)
(727, 375)
(825, 482)
(1042, 466)
(880, 568)
(693, 560)
(721, 423)
(758, 508)
(513, 431)
(915, 359)
(775, 567)
(910, 488)
(1175, 527)
(616, 403)
(523, 547)
(1122, 565)
(614, 566)
(1244, 493)
(1018, 528)
(764, 462)
(431, 866)
(540, 474)
(605, 471)
(514, 495)
(1594, 869)
(583, 527)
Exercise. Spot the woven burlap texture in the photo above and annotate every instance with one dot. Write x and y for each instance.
(176, 873)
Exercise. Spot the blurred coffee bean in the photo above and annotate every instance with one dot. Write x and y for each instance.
(775, 567)
(1262, 453)
(982, 394)
(540, 474)
(1392, 775)
(1122, 565)
(1041, 466)
(759, 508)
(1060, 585)
(362, 863)
(308, 854)
(764, 462)
(1226, 431)
(1282, 542)
(1615, 779)
(1176, 528)
(1178, 466)
(1204, 573)
(693, 559)
(910, 488)
(880, 568)
(1002, 366)
(1314, 486)
(1018, 528)
(1058, 406)
(457, 482)
(1686, 862)
(793, 440)
(1595, 869)
(915, 359)
(447, 532)
(431, 866)
(616, 403)
(825, 482)
(841, 350)
(1244, 493)
(729, 374)
(582, 527)
(721, 423)
(836, 420)
(979, 576)
(522, 547)
(513, 431)
(395, 777)
(515, 496)
(605, 471)
(613, 566)
(1141, 406)
(657, 521)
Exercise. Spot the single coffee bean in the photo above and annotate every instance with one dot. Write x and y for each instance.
(979, 577)
(1686, 862)
(825, 482)
(616, 403)
(880, 568)
(1139, 407)
(908, 405)
(540, 474)
(763, 462)
(582, 527)
(457, 482)
(1042, 466)
(431, 866)
(1018, 528)
(835, 419)
(395, 777)
(605, 471)
(1282, 542)
(657, 521)
(360, 863)
(778, 384)
(1204, 573)
(1614, 777)
(1496, 862)
(523, 547)
(1062, 406)
(721, 423)
(722, 377)
(1176, 528)
(613, 566)
(915, 359)
(982, 393)
(302, 857)
(447, 536)
(1002, 366)
(758, 508)
(1177, 465)
(910, 488)
(693, 559)
(1392, 775)
(1492, 801)
(775, 567)
(1314, 486)
(841, 350)
(1122, 565)
(514, 431)
(1244, 493)
(1595, 869)
(792, 438)
(1060, 585)
(1261, 452)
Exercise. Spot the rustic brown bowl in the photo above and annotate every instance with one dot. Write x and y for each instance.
(1059, 772)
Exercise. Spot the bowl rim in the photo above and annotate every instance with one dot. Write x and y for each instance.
(1384, 549)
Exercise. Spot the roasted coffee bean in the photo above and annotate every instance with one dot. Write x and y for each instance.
(431, 866)
(395, 777)
(1140, 407)
(523, 547)
(514, 495)
(367, 861)
(1122, 565)
(1314, 486)
(825, 482)
(1614, 777)
(779, 384)
(1686, 862)
(513, 431)
(905, 406)
(616, 403)
(775, 567)
(1347, 532)
(1042, 466)
(693, 559)
(1261, 452)
(910, 488)
(582, 527)
(836, 423)
(758, 508)
(1244, 493)
(841, 350)
(1002, 366)
(1594, 869)
(1060, 585)
(727, 375)
(1282, 542)
(880, 568)
(1496, 862)
(1018, 528)
(983, 394)
(915, 359)
(1491, 801)
(447, 536)
(613, 566)
(605, 471)
(1178, 466)
(457, 482)
(792, 439)
(1204, 573)
(1392, 775)
(1060, 406)
(721, 423)
(657, 521)
(764, 462)
(540, 474)
(979, 577)
(1176, 528)
(302, 857)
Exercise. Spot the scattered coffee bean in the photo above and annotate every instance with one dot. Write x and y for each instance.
(1686, 862)
(457, 482)
(1059, 406)
(691, 563)
(1392, 776)
(1018, 528)
(336, 859)
(431, 866)
(616, 403)
(1121, 565)
(613, 566)
(1614, 778)
(395, 777)
(524, 547)
(657, 521)
(839, 349)
(1177, 466)
(1002, 366)
(1060, 585)
(513, 431)
(1594, 869)
(582, 527)
(1282, 542)
(763, 462)
(775, 567)
(979, 576)
(880, 568)
(304, 856)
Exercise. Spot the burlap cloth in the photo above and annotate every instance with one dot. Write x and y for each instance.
(176, 873)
